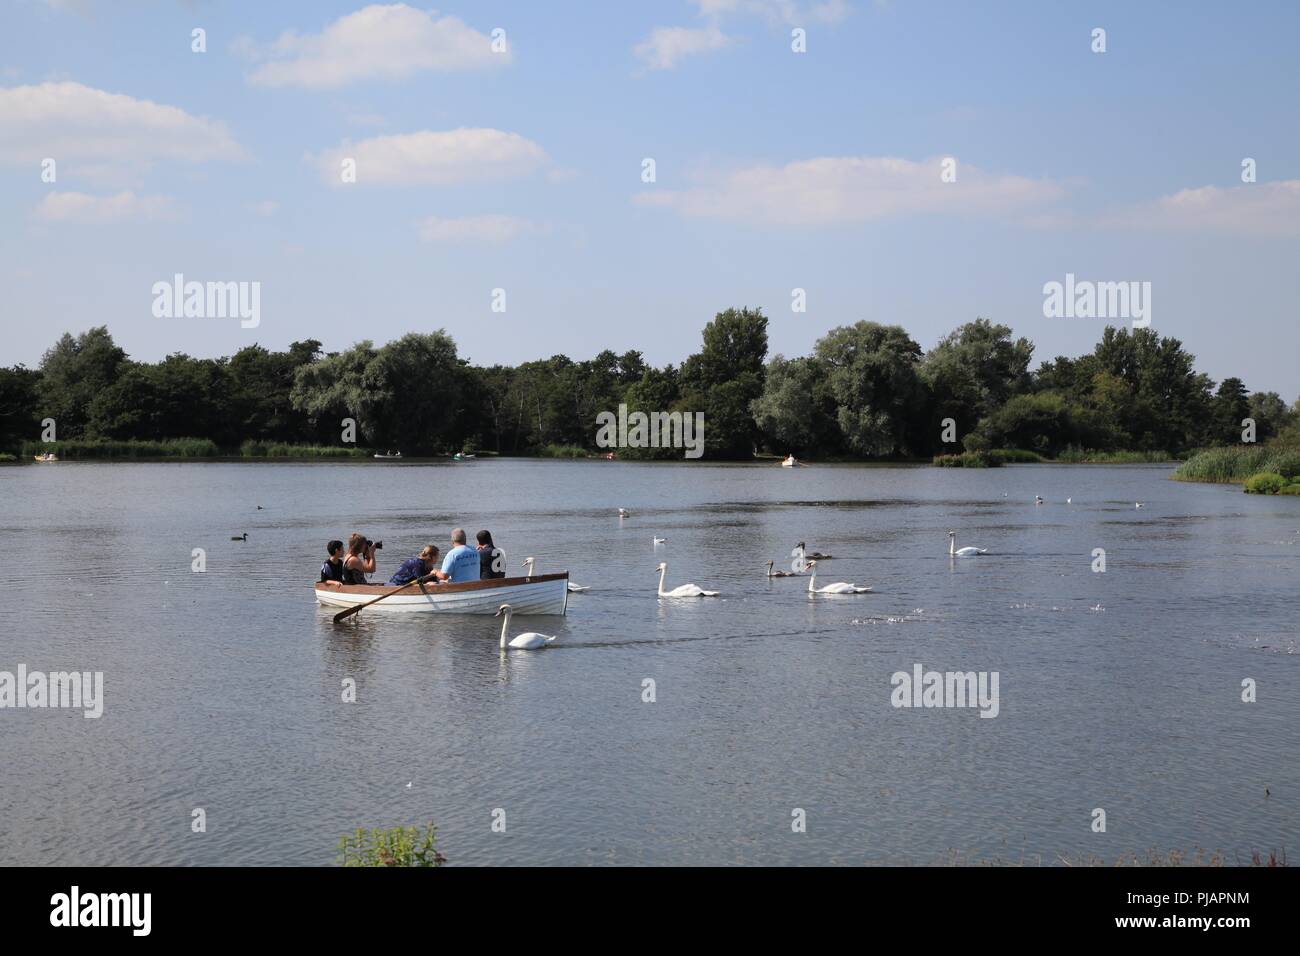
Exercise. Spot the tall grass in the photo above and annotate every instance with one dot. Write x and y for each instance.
(1236, 463)
(1077, 456)
(77, 449)
(563, 451)
(259, 449)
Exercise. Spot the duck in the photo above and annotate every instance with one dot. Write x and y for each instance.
(658, 540)
(1038, 499)
(962, 552)
(779, 574)
(239, 537)
(528, 641)
(623, 512)
(1139, 504)
(685, 590)
(839, 587)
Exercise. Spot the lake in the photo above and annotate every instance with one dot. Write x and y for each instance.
(1119, 690)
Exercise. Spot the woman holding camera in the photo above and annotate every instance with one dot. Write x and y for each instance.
(360, 560)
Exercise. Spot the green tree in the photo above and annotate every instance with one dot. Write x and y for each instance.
(73, 372)
(872, 371)
(973, 371)
(19, 422)
(796, 412)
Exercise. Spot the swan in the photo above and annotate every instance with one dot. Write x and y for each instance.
(686, 590)
(1069, 501)
(660, 540)
(1137, 504)
(1038, 499)
(837, 588)
(528, 641)
(814, 555)
(623, 512)
(573, 588)
(962, 552)
(779, 574)
(243, 537)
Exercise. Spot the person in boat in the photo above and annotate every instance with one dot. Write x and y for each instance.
(487, 554)
(420, 566)
(360, 560)
(462, 561)
(331, 572)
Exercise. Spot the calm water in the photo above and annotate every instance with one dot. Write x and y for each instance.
(223, 689)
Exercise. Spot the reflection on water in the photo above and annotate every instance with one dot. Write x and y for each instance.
(224, 690)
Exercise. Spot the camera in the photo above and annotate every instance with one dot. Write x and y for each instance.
(374, 544)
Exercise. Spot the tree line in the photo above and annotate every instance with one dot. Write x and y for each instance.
(867, 390)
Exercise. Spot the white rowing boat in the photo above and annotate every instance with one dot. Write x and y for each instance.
(542, 594)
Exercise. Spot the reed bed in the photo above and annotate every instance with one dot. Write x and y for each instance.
(1236, 463)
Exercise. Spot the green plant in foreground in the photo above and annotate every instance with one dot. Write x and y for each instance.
(1264, 483)
(396, 846)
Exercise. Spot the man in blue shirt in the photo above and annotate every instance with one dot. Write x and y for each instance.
(461, 563)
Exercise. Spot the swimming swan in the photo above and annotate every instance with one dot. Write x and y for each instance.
(962, 552)
(573, 588)
(686, 590)
(779, 574)
(837, 588)
(529, 641)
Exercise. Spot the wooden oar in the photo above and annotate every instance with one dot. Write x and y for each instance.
(348, 612)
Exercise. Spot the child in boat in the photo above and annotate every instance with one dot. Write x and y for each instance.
(331, 572)
(417, 567)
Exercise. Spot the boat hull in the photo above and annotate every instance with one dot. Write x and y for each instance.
(541, 594)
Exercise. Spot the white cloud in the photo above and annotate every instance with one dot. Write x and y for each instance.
(387, 42)
(831, 190)
(492, 228)
(667, 45)
(71, 122)
(122, 207)
(1255, 209)
(778, 11)
(429, 158)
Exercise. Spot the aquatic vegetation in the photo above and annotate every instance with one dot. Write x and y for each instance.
(968, 459)
(1271, 483)
(1077, 456)
(1237, 463)
(257, 449)
(563, 451)
(98, 448)
(395, 846)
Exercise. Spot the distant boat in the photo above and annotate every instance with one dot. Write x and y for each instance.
(389, 455)
(792, 462)
(48, 456)
(541, 594)
(462, 457)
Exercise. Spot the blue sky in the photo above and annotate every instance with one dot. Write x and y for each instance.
(775, 170)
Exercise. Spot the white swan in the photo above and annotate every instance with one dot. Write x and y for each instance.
(838, 588)
(1138, 504)
(658, 540)
(962, 552)
(573, 588)
(686, 590)
(529, 641)
(623, 512)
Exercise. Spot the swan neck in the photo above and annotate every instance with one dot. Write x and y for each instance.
(504, 627)
(662, 572)
(952, 545)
